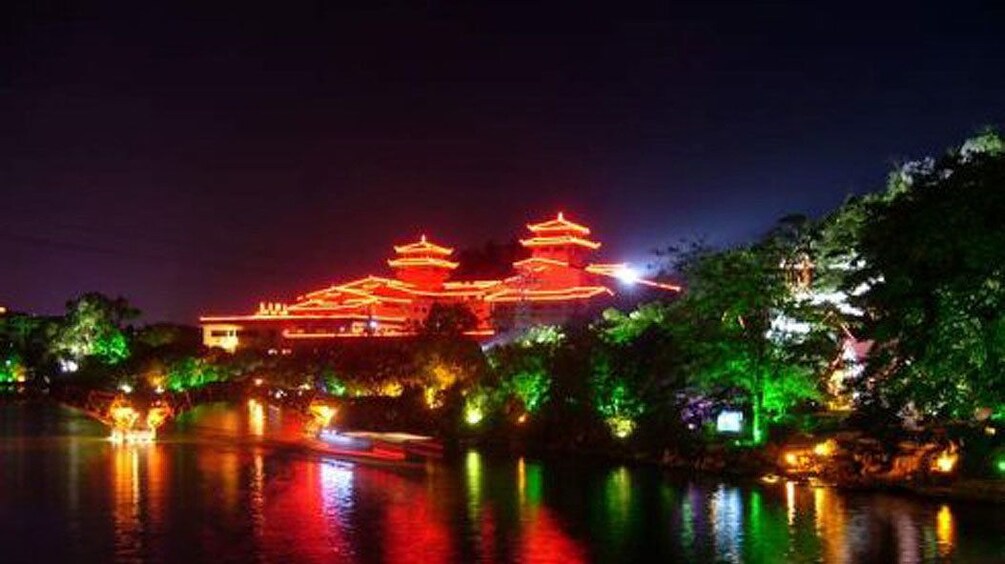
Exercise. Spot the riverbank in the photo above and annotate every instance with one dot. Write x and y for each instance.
(749, 465)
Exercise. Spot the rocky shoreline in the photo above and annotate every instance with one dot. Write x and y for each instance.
(768, 464)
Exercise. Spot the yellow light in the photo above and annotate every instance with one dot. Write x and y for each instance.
(431, 395)
(228, 343)
(473, 414)
(390, 389)
(522, 419)
(621, 427)
(157, 416)
(945, 530)
(946, 461)
(322, 414)
(123, 416)
(256, 417)
(826, 448)
(791, 459)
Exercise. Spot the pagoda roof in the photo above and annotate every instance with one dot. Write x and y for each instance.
(560, 240)
(573, 293)
(542, 261)
(409, 262)
(558, 225)
(422, 247)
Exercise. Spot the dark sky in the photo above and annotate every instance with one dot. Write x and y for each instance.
(199, 157)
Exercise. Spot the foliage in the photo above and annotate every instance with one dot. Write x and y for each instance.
(28, 336)
(620, 328)
(613, 395)
(476, 405)
(523, 373)
(93, 328)
(12, 369)
(541, 335)
(935, 272)
(449, 320)
(745, 328)
(190, 372)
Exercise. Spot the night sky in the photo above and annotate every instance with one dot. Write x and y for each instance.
(199, 158)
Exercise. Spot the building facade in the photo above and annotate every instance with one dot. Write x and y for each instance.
(558, 281)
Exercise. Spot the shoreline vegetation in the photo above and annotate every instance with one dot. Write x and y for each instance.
(865, 348)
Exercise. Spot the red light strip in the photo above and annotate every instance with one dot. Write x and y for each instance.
(540, 260)
(558, 224)
(578, 292)
(421, 261)
(422, 246)
(255, 317)
(559, 241)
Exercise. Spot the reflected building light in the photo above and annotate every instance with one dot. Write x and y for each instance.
(156, 485)
(687, 518)
(473, 476)
(619, 497)
(830, 520)
(726, 516)
(906, 533)
(126, 508)
(790, 501)
(257, 500)
(521, 480)
(256, 418)
(945, 531)
(336, 489)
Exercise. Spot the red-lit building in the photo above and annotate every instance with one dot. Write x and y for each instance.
(555, 283)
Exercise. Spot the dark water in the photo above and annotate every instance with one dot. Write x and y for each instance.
(221, 487)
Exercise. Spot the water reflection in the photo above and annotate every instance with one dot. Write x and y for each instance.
(233, 486)
(830, 521)
(128, 527)
(945, 531)
(256, 418)
(726, 516)
(256, 490)
(618, 494)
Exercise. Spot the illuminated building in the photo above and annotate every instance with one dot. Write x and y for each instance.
(555, 283)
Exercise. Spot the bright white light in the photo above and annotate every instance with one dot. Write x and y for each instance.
(126, 388)
(68, 365)
(729, 422)
(627, 275)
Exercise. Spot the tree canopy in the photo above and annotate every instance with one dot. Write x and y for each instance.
(934, 266)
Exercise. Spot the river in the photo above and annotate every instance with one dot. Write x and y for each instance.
(229, 483)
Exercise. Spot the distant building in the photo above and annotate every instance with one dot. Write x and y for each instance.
(554, 284)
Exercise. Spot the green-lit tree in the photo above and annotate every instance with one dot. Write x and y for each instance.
(934, 271)
(523, 371)
(27, 336)
(742, 325)
(94, 327)
(189, 372)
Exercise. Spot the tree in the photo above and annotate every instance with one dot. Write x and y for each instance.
(93, 327)
(449, 320)
(523, 372)
(27, 336)
(744, 328)
(934, 270)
